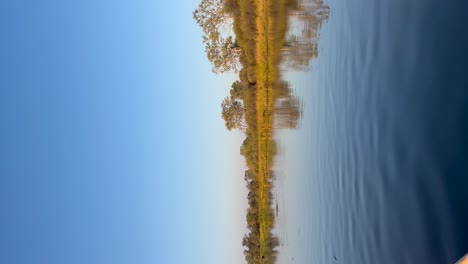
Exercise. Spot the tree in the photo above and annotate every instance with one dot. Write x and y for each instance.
(223, 54)
(247, 176)
(233, 112)
(236, 90)
(213, 18)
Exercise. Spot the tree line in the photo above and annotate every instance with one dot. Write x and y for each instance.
(230, 36)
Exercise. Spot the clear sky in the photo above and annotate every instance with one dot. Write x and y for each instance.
(112, 146)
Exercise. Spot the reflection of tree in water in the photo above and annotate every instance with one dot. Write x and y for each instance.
(288, 112)
(288, 108)
(301, 43)
(299, 48)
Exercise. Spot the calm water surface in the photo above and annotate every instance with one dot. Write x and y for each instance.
(378, 171)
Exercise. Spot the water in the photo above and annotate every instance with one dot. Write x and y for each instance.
(378, 171)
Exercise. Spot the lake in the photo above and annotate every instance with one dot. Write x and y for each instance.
(378, 170)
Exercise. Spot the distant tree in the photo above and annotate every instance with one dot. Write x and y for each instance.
(247, 148)
(213, 18)
(236, 90)
(223, 54)
(247, 176)
(251, 217)
(232, 112)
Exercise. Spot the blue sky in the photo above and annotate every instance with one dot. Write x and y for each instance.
(112, 145)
